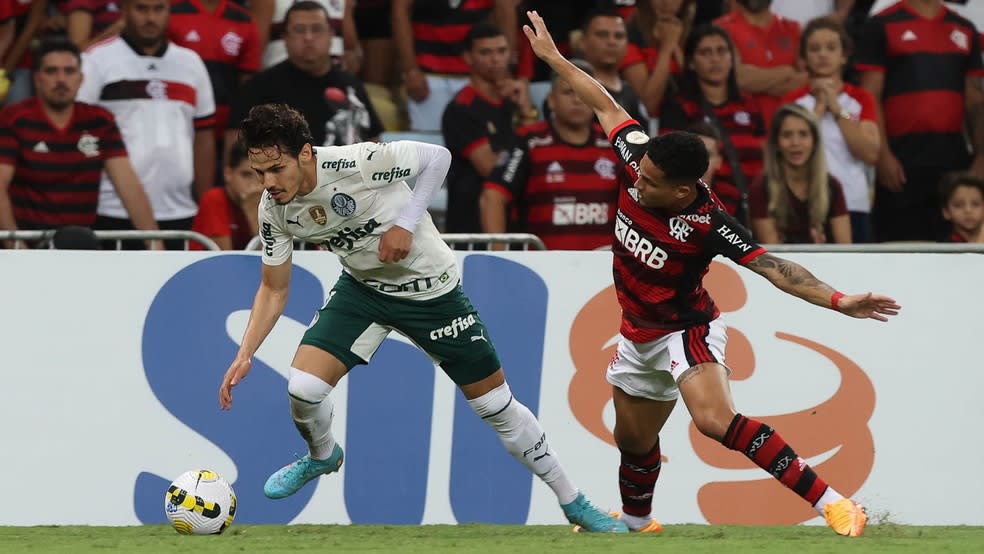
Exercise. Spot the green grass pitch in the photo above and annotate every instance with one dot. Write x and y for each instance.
(689, 539)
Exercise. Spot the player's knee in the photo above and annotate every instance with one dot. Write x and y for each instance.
(711, 424)
(307, 387)
(632, 440)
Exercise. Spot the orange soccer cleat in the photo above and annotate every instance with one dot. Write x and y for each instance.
(846, 517)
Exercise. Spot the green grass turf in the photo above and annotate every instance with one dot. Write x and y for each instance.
(691, 539)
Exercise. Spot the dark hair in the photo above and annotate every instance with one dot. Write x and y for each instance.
(830, 24)
(681, 156)
(703, 128)
(689, 84)
(595, 13)
(578, 63)
(305, 6)
(55, 44)
(952, 181)
(237, 154)
(275, 125)
(480, 31)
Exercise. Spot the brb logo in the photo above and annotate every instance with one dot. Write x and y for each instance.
(838, 425)
(186, 348)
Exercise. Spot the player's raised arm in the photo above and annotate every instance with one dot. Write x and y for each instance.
(792, 278)
(590, 91)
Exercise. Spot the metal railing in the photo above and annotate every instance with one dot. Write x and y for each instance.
(44, 237)
(471, 240)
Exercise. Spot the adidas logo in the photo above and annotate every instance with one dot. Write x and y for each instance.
(909, 35)
(152, 67)
(192, 36)
(555, 173)
(41, 147)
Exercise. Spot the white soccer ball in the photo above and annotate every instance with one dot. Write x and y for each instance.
(199, 502)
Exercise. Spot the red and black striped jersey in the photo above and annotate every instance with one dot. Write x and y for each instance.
(470, 121)
(227, 40)
(56, 171)
(743, 122)
(661, 257)
(439, 30)
(104, 12)
(797, 230)
(926, 63)
(564, 193)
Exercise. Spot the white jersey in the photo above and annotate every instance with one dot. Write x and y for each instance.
(158, 102)
(361, 190)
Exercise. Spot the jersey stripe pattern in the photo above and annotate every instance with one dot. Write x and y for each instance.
(56, 171)
(565, 194)
(104, 12)
(744, 124)
(661, 257)
(926, 63)
(439, 30)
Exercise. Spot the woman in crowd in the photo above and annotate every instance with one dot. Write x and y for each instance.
(847, 114)
(795, 200)
(709, 92)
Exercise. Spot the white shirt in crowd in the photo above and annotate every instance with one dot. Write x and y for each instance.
(803, 10)
(156, 101)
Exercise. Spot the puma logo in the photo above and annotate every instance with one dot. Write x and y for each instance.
(478, 337)
(295, 222)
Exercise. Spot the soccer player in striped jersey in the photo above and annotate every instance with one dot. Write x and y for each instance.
(668, 227)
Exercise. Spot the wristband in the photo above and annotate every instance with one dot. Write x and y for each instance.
(835, 300)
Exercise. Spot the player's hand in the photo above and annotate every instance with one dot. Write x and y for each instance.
(868, 306)
(395, 245)
(416, 84)
(236, 373)
(540, 39)
(891, 175)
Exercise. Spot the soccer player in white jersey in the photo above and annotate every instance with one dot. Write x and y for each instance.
(399, 275)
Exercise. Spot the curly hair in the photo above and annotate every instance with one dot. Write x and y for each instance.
(275, 125)
(680, 155)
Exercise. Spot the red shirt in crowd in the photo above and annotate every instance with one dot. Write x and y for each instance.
(218, 216)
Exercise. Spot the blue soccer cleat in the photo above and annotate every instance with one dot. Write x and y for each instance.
(588, 519)
(290, 478)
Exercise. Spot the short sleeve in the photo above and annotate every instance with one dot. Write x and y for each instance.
(731, 239)
(277, 243)
(630, 142)
(212, 219)
(9, 144)
(204, 97)
(463, 131)
(511, 174)
(758, 199)
(91, 81)
(838, 204)
(385, 163)
(869, 110)
(112, 140)
(633, 55)
(871, 47)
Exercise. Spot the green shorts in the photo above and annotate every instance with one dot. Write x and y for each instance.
(355, 320)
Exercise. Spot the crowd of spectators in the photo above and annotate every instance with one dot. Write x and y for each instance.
(828, 121)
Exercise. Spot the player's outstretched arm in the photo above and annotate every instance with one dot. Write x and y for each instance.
(268, 305)
(794, 279)
(590, 91)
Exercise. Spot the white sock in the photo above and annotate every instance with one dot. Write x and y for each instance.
(523, 437)
(829, 496)
(312, 411)
(635, 522)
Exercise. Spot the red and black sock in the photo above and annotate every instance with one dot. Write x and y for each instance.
(636, 479)
(766, 448)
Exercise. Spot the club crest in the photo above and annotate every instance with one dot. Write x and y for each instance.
(318, 214)
(343, 204)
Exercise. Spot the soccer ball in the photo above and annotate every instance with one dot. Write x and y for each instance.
(199, 502)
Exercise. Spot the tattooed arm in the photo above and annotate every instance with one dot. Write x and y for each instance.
(794, 279)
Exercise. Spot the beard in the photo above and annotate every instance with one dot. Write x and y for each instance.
(756, 6)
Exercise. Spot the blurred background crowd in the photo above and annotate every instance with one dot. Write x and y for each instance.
(828, 121)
